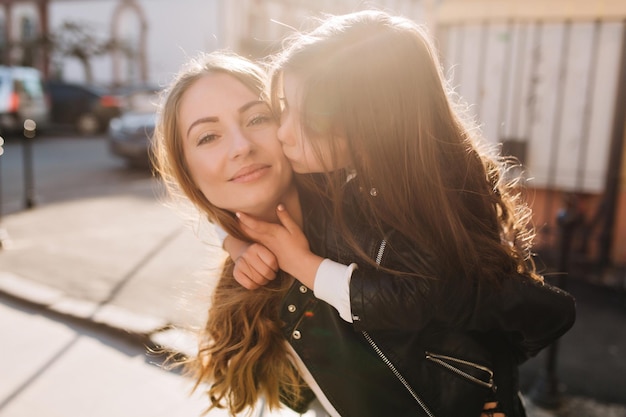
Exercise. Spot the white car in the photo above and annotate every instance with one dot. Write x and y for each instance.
(22, 97)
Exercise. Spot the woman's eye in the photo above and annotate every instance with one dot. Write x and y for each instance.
(209, 137)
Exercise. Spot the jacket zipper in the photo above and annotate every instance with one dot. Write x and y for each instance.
(381, 251)
(383, 357)
(444, 361)
(397, 373)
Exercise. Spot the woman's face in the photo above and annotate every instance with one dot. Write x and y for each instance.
(230, 145)
(296, 145)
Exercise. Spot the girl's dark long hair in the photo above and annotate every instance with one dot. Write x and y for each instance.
(375, 81)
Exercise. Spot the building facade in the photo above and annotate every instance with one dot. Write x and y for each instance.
(547, 80)
(149, 39)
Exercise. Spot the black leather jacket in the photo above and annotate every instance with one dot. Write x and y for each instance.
(404, 355)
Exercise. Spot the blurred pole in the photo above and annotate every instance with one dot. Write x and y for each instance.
(546, 392)
(27, 152)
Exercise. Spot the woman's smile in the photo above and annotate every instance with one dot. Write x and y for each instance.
(250, 173)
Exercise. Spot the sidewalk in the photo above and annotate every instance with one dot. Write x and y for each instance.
(128, 263)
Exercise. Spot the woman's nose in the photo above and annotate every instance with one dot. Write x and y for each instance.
(240, 144)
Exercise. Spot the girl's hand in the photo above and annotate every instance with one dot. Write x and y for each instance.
(255, 265)
(287, 242)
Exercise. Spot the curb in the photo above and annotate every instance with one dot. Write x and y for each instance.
(155, 334)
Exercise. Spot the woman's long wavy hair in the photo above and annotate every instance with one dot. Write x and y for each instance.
(376, 81)
(242, 354)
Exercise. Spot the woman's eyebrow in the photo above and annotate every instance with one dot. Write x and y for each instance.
(210, 119)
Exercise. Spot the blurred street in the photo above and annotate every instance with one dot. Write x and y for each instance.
(100, 270)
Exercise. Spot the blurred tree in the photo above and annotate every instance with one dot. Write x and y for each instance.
(80, 41)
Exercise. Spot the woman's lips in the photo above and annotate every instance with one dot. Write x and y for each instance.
(250, 173)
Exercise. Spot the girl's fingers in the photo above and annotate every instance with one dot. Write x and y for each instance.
(259, 226)
(261, 273)
(286, 219)
(268, 258)
(256, 229)
(246, 220)
(252, 232)
(242, 278)
(249, 276)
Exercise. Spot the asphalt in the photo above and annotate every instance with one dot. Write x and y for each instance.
(133, 265)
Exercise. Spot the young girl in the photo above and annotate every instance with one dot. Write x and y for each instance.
(430, 246)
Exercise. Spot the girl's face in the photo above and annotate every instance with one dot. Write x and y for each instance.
(230, 146)
(297, 146)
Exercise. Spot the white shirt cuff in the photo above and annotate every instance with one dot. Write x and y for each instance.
(332, 284)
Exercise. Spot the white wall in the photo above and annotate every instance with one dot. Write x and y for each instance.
(176, 30)
(562, 106)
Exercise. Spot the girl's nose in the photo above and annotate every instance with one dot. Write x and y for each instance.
(284, 134)
(284, 131)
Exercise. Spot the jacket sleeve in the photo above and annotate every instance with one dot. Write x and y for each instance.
(531, 314)
(383, 301)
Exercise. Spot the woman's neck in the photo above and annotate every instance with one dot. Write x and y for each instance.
(292, 205)
(291, 202)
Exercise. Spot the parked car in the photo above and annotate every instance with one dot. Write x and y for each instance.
(130, 134)
(88, 109)
(22, 97)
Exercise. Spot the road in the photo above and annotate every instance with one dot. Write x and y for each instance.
(61, 166)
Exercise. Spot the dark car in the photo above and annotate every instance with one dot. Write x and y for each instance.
(130, 134)
(88, 109)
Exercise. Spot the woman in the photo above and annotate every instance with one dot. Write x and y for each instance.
(432, 244)
(215, 144)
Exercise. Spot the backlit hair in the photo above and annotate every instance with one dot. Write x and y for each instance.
(242, 353)
(376, 81)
